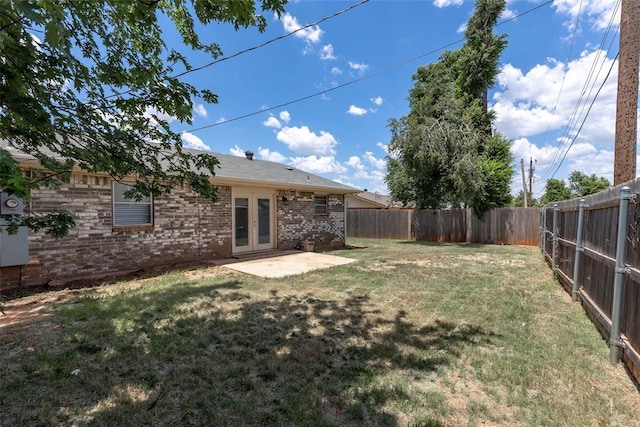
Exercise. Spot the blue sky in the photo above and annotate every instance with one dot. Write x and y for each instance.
(556, 60)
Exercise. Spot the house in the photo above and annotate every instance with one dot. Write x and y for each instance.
(261, 206)
(367, 200)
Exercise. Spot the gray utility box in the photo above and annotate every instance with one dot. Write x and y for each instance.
(14, 248)
(10, 204)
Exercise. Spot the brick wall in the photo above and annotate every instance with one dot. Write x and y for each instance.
(297, 222)
(186, 228)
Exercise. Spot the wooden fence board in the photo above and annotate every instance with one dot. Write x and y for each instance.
(597, 272)
(379, 223)
(440, 225)
(508, 226)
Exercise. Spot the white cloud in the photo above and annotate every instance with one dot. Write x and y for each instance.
(355, 162)
(582, 156)
(272, 122)
(507, 13)
(237, 151)
(377, 100)
(599, 162)
(285, 116)
(379, 164)
(326, 53)
(597, 13)
(356, 111)
(304, 141)
(336, 71)
(446, 3)
(150, 112)
(462, 28)
(373, 179)
(272, 156)
(318, 164)
(361, 68)
(532, 103)
(221, 120)
(522, 148)
(515, 121)
(191, 141)
(383, 147)
(310, 35)
(200, 110)
(360, 169)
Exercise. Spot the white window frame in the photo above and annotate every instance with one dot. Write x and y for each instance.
(119, 217)
(325, 205)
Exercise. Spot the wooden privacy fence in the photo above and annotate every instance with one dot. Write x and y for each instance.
(593, 247)
(508, 226)
(379, 223)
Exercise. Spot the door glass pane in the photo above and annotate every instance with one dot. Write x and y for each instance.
(242, 221)
(264, 229)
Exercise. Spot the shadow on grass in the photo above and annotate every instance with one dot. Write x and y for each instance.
(215, 355)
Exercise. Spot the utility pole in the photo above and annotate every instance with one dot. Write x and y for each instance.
(624, 168)
(524, 183)
(531, 169)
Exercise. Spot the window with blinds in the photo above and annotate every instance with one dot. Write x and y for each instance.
(130, 211)
(320, 205)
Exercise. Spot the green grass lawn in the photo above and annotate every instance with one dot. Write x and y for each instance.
(412, 334)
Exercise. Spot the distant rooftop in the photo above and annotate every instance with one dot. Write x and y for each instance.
(381, 199)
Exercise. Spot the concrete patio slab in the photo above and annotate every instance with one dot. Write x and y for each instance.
(288, 265)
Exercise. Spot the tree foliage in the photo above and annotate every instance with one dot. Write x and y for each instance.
(556, 190)
(579, 185)
(582, 184)
(518, 200)
(93, 84)
(444, 153)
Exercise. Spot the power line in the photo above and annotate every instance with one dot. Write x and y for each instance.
(574, 117)
(333, 15)
(564, 75)
(365, 77)
(250, 49)
(322, 92)
(586, 115)
(582, 102)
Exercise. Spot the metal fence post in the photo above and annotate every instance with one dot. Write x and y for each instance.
(554, 246)
(615, 344)
(542, 232)
(579, 251)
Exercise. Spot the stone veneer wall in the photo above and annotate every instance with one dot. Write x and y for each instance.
(297, 222)
(186, 228)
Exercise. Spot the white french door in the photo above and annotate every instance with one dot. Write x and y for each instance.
(253, 220)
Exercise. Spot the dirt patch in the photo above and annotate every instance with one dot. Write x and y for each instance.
(495, 260)
(22, 312)
(204, 273)
(466, 396)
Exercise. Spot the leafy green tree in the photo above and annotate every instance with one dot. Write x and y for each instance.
(90, 84)
(582, 184)
(478, 64)
(443, 153)
(557, 190)
(518, 201)
(579, 185)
